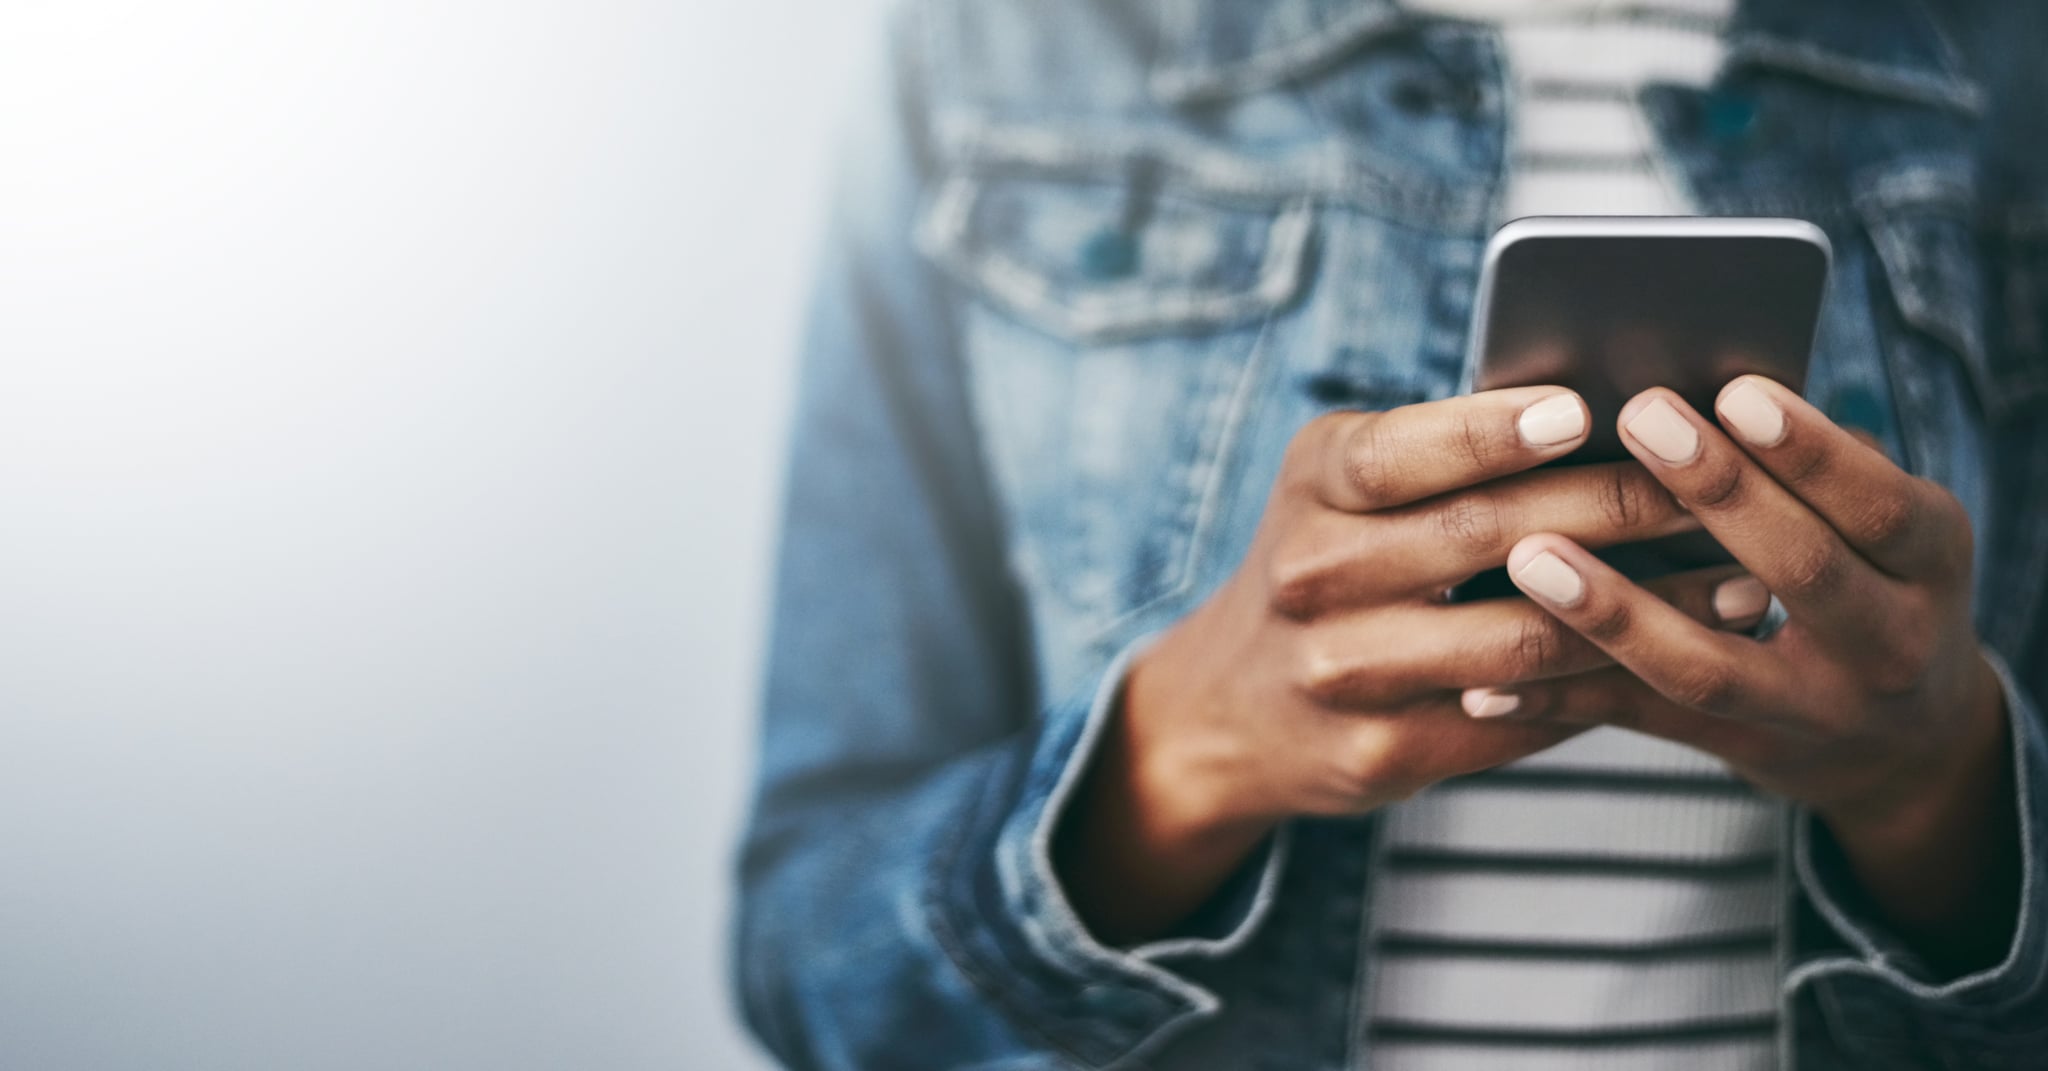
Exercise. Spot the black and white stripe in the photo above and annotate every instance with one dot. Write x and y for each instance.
(1579, 144)
(1612, 903)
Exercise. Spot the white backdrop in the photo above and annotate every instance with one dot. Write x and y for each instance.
(390, 405)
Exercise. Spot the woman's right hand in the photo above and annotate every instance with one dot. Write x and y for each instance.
(1325, 676)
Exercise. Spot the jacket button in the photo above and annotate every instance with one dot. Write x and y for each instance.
(1110, 253)
(1422, 97)
(1416, 97)
(1729, 115)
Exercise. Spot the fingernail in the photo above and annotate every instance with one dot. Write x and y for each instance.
(1666, 434)
(1753, 415)
(1556, 419)
(1550, 578)
(1741, 598)
(1487, 703)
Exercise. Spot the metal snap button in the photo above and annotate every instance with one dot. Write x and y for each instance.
(1415, 96)
(1729, 115)
(1110, 253)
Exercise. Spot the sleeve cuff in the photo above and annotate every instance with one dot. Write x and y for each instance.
(1025, 855)
(1119, 999)
(1875, 952)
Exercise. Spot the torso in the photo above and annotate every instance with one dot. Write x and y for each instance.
(1317, 193)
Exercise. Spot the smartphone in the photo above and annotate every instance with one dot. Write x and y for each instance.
(1613, 305)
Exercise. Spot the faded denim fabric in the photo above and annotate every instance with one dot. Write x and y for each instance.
(1093, 264)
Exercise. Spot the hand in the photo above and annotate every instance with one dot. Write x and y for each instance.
(1324, 676)
(1873, 705)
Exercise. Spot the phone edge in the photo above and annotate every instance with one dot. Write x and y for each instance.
(1526, 227)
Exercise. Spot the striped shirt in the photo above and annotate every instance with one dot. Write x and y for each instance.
(1615, 903)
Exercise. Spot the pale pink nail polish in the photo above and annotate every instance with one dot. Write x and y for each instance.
(1753, 415)
(1550, 579)
(1741, 598)
(1669, 436)
(1487, 703)
(1556, 419)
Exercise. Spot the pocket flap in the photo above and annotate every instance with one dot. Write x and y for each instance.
(1982, 299)
(1098, 260)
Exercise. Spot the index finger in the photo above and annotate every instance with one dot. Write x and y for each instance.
(1374, 461)
(1891, 517)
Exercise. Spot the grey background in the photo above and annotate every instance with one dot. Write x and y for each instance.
(390, 404)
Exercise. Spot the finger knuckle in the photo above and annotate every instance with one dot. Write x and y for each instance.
(1611, 622)
(1952, 529)
(1809, 465)
(1626, 502)
(1327, 677)
(1322, 435)
(1540, 647)
(1711, 685)
(1298, 583)
(1295, 594)
(1946, 525)
(1476, 442)
(1723, 487)
(1942, 507)
(1376, 766)
(1815, 573)
(1318, 435)
(1888, 520)
(1372, 466)
(1471, 524)
(1305, 467)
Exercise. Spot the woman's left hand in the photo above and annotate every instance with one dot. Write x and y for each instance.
(1873, 705)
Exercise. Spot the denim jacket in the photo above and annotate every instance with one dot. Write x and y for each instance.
(1093, 263)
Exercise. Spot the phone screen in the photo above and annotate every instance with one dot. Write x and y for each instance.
(1613, 306)
(1611, 313)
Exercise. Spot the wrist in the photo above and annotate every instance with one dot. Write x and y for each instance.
(1141, 849)
(1190, 777)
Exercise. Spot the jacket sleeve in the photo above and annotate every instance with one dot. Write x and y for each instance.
(1874, 992)
(1880, 994)
(897, 906)
(1869, 987)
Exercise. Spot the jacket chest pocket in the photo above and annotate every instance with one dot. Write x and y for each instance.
(1111, 331)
